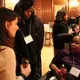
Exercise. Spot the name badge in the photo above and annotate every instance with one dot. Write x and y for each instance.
(28, 39)
(75, 71)
(53, 78)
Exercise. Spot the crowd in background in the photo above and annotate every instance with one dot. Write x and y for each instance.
(66, 30)
(21, 42)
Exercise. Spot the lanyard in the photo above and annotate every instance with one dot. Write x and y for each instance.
(30, 28)
(25, 26)
(21, 32)
(73, 62)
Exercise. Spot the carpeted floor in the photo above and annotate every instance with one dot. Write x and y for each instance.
(46, 55)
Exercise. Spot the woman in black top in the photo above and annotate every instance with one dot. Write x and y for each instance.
(68, 58)
(60, 26)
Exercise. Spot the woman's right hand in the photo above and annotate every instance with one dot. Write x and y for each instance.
(26, 70)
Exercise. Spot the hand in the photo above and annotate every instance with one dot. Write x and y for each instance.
(26, 71)
(63, 72)
(58, 71)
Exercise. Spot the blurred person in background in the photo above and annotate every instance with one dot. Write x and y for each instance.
(60, 26)
(72, 20)
(75, 29)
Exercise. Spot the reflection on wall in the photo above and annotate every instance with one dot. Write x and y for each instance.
(73, 8)
(60, 2)
(10, 3)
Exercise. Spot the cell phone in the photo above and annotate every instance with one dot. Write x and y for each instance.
(25, 62)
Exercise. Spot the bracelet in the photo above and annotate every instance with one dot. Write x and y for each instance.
(23, 76)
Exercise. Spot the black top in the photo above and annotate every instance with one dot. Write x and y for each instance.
(66, 58)
(58, 28)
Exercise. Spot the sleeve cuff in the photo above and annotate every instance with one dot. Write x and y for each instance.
(20, 78)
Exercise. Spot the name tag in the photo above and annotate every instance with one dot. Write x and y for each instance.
(74, 71)
(53, 78)
(28, 39)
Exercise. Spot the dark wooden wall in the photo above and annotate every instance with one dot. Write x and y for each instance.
(45, 10)
(0, 3)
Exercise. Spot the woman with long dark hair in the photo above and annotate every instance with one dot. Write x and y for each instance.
(8, 28)
(60, 26)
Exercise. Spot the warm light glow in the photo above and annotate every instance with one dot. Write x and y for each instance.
(10, 3)
(14, 1)
(73, 3)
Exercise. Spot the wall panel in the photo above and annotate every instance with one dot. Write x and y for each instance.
(44, 9)
(1, 3)
(38, 7)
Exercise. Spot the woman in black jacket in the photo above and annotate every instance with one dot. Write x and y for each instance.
(60, 26)
(31, 26)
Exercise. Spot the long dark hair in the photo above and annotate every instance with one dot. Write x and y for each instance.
(60, 15)
(6, 15)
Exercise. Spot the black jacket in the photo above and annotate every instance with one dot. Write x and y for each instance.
(36, 30)
(58, 28)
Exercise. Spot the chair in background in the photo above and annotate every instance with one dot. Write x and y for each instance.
(47, 35)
